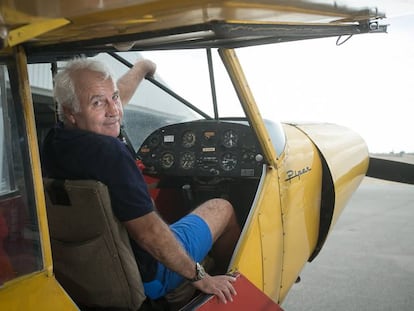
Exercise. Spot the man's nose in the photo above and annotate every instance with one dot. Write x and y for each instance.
(112, 108)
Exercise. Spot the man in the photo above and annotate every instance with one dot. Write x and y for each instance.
(86, 147)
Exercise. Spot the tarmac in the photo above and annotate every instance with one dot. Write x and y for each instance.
(367, 262)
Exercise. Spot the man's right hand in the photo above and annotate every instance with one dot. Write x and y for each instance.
(218, 285)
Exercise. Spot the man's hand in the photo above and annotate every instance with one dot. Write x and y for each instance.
(219, 285)
(130, 81)
(146, 67)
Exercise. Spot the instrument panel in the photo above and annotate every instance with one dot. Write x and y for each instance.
(203, 148)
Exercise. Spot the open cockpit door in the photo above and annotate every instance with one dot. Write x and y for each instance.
(248, 297)
(26, 276)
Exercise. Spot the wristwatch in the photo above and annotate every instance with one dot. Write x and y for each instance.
(200, 273)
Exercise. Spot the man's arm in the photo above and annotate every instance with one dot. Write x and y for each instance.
(130, 81)
(154, 235)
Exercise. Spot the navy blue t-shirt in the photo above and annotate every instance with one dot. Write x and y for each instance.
(78, 154)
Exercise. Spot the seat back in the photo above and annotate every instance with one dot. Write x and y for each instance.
(92, 255)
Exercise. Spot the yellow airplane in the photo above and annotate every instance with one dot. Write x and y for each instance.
(288, 182)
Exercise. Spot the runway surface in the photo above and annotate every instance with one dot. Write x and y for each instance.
(368, 260)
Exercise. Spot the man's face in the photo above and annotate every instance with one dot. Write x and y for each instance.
(100, 106)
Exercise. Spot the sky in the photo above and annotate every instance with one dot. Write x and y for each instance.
(365, 84)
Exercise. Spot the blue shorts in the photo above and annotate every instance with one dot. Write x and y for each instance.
(195, 236)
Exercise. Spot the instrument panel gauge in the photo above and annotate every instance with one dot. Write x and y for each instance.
(167, 160)
(228, 161)
(187, 160)
(154, 140)
(230, 139)
(188, 139)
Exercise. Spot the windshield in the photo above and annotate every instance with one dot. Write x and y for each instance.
(190, 81)
(185, 72)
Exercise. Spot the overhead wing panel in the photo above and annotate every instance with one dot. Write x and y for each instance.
(102, 24)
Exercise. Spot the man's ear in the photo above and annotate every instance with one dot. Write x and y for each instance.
(69, 115)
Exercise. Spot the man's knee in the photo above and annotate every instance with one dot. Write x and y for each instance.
(221, 204)
(217, 207)
(217, 213)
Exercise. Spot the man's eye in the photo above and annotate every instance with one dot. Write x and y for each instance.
(115, 97)
(97, 103)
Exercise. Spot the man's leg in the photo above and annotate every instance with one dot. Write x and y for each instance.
(221, 219)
